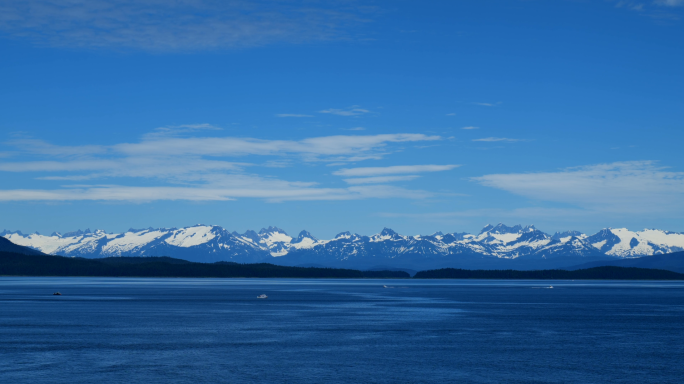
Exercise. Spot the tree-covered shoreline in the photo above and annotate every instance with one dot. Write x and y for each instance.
(15, 264)
(596, 273)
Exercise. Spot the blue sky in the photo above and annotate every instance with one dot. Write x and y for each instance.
(341, 115)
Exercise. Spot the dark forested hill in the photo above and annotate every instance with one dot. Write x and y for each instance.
(671, 262)
(43, 265)
(597, 273)
(8, 246)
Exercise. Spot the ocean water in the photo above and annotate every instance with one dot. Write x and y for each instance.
(119, 330)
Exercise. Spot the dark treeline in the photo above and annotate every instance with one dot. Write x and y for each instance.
(597, 273)
(29, 265)
(15, 264)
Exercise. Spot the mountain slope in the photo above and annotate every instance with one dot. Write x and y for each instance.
(495, 246)
(8, 246)
(671, 262)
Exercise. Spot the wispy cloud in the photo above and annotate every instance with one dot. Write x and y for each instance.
(380, 179)
(633, 5)
(394, 170)
(175, 25)
(355, 129)
(487, 104)
(292, 115)
(635, 187)
(41, 147)
(495, 139)
(200, 168)
(354, 110)
(272, 192)
(659, 10)
(177, 130)
(316, 148)
(451, 114)
(670, 3)
(471, 127)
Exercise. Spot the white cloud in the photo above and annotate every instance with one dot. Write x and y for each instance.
(156, 167)
(624, 187)
(487, 104)
(351, 111)
(179, 130)
(292, 115)
(495, 139)
(393, 170)
(471, 127)
(312, 148)
(192, 168)
(42, 147)
(670, 3)
(147, 194)
(187, 25)
(380, 179)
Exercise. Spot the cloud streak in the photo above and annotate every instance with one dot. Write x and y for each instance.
(202, 168)
(148, 194)
(497, 139)
(393, 170)
(380, 179)
(670, 3)
(638, 187)
(351, 111)
(312, 148)
(185, 25)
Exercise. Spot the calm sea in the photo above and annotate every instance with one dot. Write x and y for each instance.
(104, 330)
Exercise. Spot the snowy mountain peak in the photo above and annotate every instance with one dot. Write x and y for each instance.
(268, 230)
(304, 235)
(252, 235)
(387, 232)
(77, 232)
(133, 230)
(501, 229)
(561, 235)
(504, 229)
(214, 243)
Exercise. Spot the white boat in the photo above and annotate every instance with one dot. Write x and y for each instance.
(262, 296)
(550, 286)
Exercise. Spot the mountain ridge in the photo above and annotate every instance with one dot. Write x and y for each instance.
(211, 243)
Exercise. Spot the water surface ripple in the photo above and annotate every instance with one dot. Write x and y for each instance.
(115, 330)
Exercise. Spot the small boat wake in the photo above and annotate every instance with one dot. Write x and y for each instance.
(262, 296)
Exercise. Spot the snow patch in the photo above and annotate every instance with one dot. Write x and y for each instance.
(191, 236)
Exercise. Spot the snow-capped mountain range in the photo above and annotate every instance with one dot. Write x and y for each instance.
(205, 243)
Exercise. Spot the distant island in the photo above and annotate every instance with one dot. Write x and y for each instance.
(17, 264)
(596, 273)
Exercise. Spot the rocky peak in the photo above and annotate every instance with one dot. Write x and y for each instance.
(265, 231)
(388, 232)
